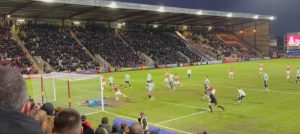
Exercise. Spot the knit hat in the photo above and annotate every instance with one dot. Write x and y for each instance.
(48, 108)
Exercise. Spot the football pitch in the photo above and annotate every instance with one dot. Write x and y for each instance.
(184, 110)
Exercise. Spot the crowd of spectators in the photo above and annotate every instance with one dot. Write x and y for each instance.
(162, 47)
(214, 46)
(106, 43)
(11, 54)
(170, 39)
(56, 46)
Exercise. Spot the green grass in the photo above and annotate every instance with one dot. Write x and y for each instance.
(261, 112)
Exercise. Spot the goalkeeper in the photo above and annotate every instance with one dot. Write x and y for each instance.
(92, 103)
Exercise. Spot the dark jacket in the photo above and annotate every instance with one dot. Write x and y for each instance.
(87, 129)
(143, 121)
(12, 122)
(106, 126)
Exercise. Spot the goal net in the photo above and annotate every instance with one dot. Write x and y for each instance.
(67, 90)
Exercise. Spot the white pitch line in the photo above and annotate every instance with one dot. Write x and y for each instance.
(184, 132)
(93, 113)
(183, 105)
(180, 117)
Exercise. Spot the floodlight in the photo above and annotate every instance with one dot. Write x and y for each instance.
(113, 5)
(161, 9)
(200, 12)
(229, 15)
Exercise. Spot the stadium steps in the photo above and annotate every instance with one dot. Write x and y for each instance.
(206, 56)
(43, 62)
(149, 61)
(101, 62)
(37, 65)
(208, 46)
(187, 58)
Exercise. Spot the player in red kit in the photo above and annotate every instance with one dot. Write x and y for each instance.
(261, 68)
(288, 71)
(231, 73)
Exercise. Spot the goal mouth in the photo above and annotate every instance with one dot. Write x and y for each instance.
(66, 90)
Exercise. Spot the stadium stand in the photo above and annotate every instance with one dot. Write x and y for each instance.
(108, 45)
(56, 46)
(11, 54)
(222, 45)
(171, 39)
(162, 47)
(231, 40)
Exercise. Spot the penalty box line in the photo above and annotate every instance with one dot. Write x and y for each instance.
(181, 117)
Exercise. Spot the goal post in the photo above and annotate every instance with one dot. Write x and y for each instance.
(40, 88)
(102, 92)
(68, 90)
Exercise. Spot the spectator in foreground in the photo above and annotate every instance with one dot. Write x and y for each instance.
(13, 96)
(204, 132)
(57, 109)
(87, 129)
(124, 128)
(41, 117)
(48, 108)
(101, 130)
(83, 119)
(67, 121)
(136, 128)
(104, 124)
(143, 121)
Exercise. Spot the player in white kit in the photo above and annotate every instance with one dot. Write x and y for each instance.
(127, 81)
(298, 75)
(189, 73)
(266, 80)
(150, 89)
(171, 81)
(111, 80)
(241, 95)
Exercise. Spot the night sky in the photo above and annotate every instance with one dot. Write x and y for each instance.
(287, 11)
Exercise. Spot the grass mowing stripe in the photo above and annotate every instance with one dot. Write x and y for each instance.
(270, 91)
